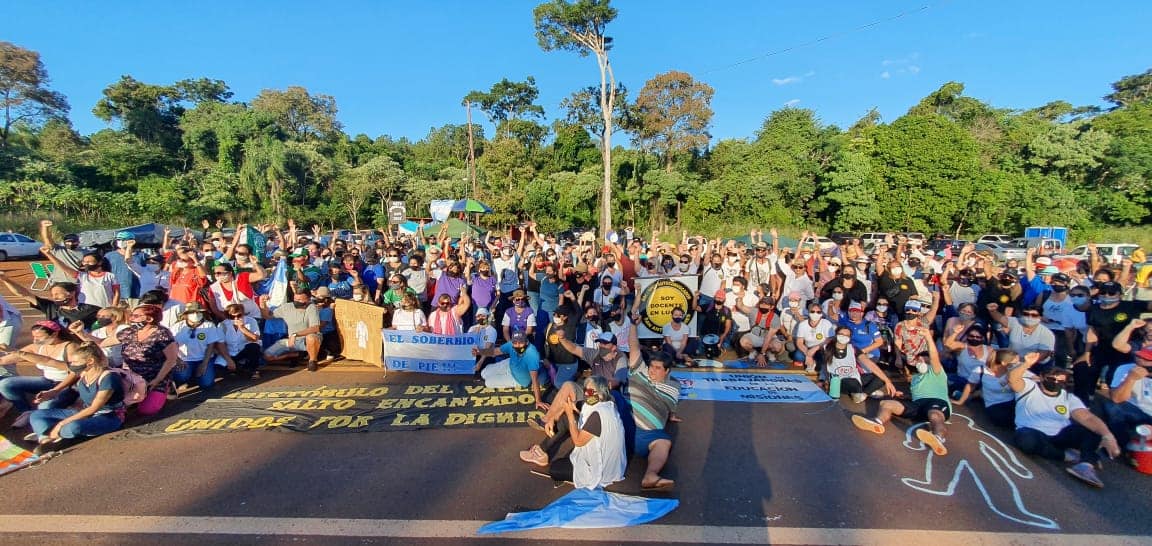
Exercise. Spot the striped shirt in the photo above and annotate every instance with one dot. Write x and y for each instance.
(652, 403)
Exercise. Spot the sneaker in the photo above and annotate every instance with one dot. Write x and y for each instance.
(933, 441)
(1085, 473)
(858, 397)
(535, 456)
(22, 420)
(32, 437)
(536, 423)
(1071, 456)
(878, 393)
(866, 424)
(311, 365)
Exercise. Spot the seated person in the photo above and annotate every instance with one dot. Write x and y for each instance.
(766, 335)
(859, 375)
(447, 318)
(241, 338)
(521, 369)
(991, 382)
(653, 395)
(1025, 334)
(303, 322)
(598, 457)
(930, 402)
(329, 338)
(49, 351)
(1131, 393)
(487, 335)
(812, 336)
(196, 343)
(101, 394)
(678, 339)
(1054, 424)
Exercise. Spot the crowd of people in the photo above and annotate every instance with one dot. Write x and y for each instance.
(561, 317)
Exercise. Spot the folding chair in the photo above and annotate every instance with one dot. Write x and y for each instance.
(42, 273)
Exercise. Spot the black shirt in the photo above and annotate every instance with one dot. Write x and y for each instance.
(84, 312)
(553, 350)
(1107, 323)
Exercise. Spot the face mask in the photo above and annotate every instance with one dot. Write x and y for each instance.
(683, 268)
(154, 268)
(1059, 288)
(394, 285)
(138, 323)
(975, 341)
(485, 272)
(606, 286)
(393, 259)
(358, 297)
(837, 296)
(815, 317)
(921, 367)
(92, 268)
(520, 350)
(733, 259)
(882, 308)
(612, 263)
(482, 321)
(677, 320)
(77, 368)
(897, 271)
(793, 304)
(967, 316)
(300, 304)
(1029, 321)
(557, 320)
(964, 281)
(1053, 384)
(843, 340)
(1078, 300)
(195, 318)
(518, 303)
(1109, 300)
(590, 396)
(833, 268)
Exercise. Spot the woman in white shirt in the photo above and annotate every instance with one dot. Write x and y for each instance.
(676, 341)
(109, 322)
(992, 382)
(409, 317)
(241, 335)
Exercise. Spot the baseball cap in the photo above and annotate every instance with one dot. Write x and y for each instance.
(322, 292)
(720, 294)
(762, 244)
(606, 337)
(482, 311)
(856, 306)
(192, 307)
(125, 236)
(518, 293)
(72, 237)
(1050, 270)
(519, 337)
(913, 305)
(1110, 287)
(834, 260)
(1060, 277)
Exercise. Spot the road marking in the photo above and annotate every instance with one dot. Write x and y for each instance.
(455, 529)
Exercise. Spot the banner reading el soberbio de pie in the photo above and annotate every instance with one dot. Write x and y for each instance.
(658, 296)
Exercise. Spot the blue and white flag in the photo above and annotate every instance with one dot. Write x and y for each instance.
(441, 209)
(586, 509)
(278, 286)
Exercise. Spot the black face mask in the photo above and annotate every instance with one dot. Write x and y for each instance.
(1059, 288)
(606, 286)
(77, 368)
(1053, 384)
(964, 281)
(975, 341)
(300, 304)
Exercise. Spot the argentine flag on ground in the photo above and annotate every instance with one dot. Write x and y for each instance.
(586, 509)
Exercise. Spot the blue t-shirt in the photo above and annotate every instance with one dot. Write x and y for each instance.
(550, 295)
(129, 284)
(1032, 289)
(522, 364)
(863, 334)
(107, 382)
(327, 316)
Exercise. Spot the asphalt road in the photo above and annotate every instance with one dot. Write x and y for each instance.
(797, 473)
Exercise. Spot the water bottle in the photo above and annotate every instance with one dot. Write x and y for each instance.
(834, 387)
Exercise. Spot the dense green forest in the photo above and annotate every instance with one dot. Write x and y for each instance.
(182, 151)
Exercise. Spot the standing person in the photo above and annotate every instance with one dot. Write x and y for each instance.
(150, 350)
(97, 286)
(1050, 421)
(187, 275)
(68, 252)
(129, 285)
(447, 318)
(100, 392)
(930, 403)
(233, 288)
(64, 306)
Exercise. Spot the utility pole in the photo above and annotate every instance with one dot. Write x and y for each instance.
(471, 152)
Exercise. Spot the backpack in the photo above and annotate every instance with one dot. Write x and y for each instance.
(133, 384)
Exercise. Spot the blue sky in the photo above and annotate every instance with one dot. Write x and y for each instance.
(400, 68)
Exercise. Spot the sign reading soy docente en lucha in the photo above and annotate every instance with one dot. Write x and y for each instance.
(358, 408)
(658, 297)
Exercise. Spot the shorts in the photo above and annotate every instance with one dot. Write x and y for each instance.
(644, 439)
(282, 346)
(917, 410)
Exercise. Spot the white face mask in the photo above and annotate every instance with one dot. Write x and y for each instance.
(195, 318)
(358, 297)
(557, 320)
(921, 367)
(815, 317)
(793, 304)
(843, 340)
(837, 296)
(683, 268)
(897, 271)
(882, 308)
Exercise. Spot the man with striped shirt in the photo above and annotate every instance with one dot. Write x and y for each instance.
(653, 396)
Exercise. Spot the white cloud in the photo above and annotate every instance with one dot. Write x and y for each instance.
(914, 69)
(787, 81)
(792, 102)
(809, 73)
(885, 75)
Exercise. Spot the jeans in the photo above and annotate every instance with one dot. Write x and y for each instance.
(1034, 442)
(20, 389)
(44, 420)
(185, 376)
(1122, 418)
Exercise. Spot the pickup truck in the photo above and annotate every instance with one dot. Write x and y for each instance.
(1112, 253)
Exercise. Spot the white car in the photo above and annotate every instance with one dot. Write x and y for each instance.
(1112, 253)
(816, 241)
(994, 238)
(15, 245)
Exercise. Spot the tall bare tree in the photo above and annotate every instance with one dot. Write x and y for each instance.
(24, 93)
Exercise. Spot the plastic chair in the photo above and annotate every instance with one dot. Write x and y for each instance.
(42, 273)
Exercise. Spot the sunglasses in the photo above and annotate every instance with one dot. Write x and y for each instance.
(220, 273)
(1030, 314)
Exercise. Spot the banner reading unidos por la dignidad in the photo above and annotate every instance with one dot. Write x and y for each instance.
(659, 296)
(429, 353)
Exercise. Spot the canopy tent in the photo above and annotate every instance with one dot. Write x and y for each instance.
(145, 234)
(456, 226)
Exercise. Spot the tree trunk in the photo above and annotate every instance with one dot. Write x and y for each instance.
(607, 102)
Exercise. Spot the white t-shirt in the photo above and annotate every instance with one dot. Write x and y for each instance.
(622, 332)
(487, 334)
(759, 273)
(711, 280)
(233, 338)
(191, 343)
(676, 338)
(591, 335)
(1041, 339)
(845, 368)
(967, 363)
(403, 319)
(604, 300)
(1047, 414)
(994, 390)
(96, 290)
(815, 335)
(1141, 392)
(742, 321)
(731, 270)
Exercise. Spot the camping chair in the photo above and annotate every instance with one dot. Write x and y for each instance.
(42, 273)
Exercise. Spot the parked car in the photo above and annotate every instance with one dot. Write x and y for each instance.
(1002, 252)
(818, 242)
(914, 237)
(570, 235)
(872, 238)
(1050, 246)
(940, 244)
(1112, 253)
(841, 237)
(15, 245)
(994, 238)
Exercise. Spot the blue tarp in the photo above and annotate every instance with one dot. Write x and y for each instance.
(586, 509)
